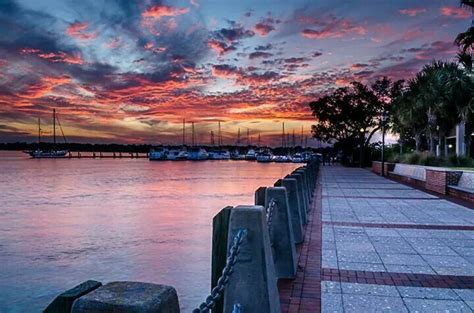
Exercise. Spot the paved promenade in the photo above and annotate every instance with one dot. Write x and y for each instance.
(375, 245)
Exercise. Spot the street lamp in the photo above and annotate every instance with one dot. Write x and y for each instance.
(383, 120)
(362, 139)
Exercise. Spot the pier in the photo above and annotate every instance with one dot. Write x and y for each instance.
(107, 155)
(324, 239)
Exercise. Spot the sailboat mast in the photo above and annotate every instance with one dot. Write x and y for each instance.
(39, 132)
(192, 124)
(219, 136)
(54, 126)
(184, 132)
(283, 135)
(302, 134)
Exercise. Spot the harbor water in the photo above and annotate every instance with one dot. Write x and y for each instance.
(65, 221)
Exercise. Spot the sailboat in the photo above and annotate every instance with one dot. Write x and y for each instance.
(50, 154)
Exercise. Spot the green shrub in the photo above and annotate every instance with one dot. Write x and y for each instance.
(411, 158)
(461, 161)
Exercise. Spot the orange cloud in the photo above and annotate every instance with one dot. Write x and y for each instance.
(78, 30)
(335, 29)
(219, 46)
(43, 87)
(412, 12)
(455, 12)
(159, 11)
(55, 57)
(263, 29)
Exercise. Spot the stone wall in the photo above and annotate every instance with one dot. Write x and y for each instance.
(377, 167)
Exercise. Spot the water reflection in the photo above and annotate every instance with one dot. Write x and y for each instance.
(66, 221)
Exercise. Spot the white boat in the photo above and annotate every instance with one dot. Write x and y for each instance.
(264, 157)
(219, 155)
(53, 154)
(235, 155)
(251, 155)
(297, 158)
(158, 154)
(50, 154)
(308, 156)
(177, 155)
(197, 154)
(281, 158)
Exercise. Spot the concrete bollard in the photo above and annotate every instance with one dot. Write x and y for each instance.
(294, 201)
(281, 233)
(301, 189)
(260, 196)
(253, 284)
(291, 186)
(131, 297)
(302, 171)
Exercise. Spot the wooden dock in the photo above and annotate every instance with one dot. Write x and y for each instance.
(107, 155)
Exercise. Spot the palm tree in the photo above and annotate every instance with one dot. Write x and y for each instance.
(408, 116)
(467, 3)
(465, 40)
(438, 98)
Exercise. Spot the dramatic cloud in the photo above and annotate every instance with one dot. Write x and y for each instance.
(265, 26)
(259, 54)
(226, 39)
(412, 12)
(159, 11)
(333, 28)
(460, 13)
(74, 58)
(80, 31)
(128, 70)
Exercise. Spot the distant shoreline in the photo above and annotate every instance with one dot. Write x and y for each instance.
(126, 148)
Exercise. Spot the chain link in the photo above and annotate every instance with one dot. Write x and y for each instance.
(217, 291)
(270, 209)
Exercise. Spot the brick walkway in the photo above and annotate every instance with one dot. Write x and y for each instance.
(374, 245)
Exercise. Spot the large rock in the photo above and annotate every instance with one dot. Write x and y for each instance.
(129, 297)
(63, 302)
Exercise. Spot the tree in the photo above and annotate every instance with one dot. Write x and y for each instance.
(350, 116)
(438, 98)
(465, 41)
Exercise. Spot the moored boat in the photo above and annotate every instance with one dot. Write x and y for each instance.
(158, 154)
(219, 155)
(177, 155)
(197, 154)
(251, 155)
(264, 157)
(297, 158)
(49, 154)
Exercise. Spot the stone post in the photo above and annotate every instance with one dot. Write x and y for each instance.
(281, 233)
(260, 196)
(302, 190)
(291, 186)
(253, 284)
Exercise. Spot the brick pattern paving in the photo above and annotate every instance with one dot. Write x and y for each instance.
(406, 226)
(398, 279)
(303, 294)
(389, 198)
(437, 232)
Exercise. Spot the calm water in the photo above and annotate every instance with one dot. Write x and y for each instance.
(66, 221)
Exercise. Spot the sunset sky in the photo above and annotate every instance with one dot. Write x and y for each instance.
(129, 71)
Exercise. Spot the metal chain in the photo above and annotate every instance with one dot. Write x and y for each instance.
(270, 209)
(217, 291)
